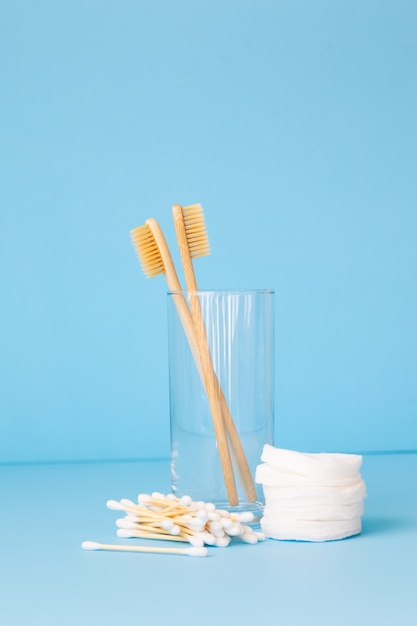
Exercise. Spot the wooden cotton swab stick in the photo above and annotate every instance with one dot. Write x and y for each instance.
(193, 242)
(186, 536)
(94, 545)
(140, 509)
(131, 533)
(165, 505)
(134, 509)
(155, 257)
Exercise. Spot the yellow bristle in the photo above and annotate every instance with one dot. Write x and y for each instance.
(147, 251)
(196, 231)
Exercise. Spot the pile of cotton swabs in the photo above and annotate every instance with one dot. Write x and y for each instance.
(168, 518)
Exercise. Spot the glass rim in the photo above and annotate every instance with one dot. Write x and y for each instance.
(221, 292)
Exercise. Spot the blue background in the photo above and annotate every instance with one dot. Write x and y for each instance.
(294, 124)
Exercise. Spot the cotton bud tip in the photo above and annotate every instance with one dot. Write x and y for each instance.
(196, 551)
(196, 541)
(156, 495)
(208, 538)
(127, 502)
(124, 533)
(90, 545)
(215, 527)
(124, 523)
(196, 506)
(144, 498)
(114, 505)
(196, 524)
(261, 536)
(247, 517)
(167, 524)
(222, 542)
(203, 515)
(249, 538)
(234, 531)
(227, 523)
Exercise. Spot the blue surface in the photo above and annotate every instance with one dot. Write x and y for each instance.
(294, 124)
(46, 579)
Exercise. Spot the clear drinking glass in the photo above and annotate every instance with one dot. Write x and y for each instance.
(221, 374)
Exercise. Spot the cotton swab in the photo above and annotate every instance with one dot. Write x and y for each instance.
(193, 551)
(182, 519)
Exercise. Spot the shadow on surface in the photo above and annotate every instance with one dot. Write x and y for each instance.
(384, 525)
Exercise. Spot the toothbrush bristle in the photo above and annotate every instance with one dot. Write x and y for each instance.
(147, 250)
(196, 231)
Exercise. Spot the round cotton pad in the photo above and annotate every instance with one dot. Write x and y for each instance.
(270, 475)
(313, 465)
(316, 494)
(315, 512)
(310, 530)
(310, 497)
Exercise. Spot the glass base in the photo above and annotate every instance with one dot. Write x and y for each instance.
(257, 508)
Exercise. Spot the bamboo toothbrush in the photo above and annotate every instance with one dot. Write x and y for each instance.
(155, 258)
(193, 242)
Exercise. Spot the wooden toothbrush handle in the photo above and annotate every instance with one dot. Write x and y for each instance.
(212, 386)
(241, 463)
(238, 453)
(174, 285)
(202, 360)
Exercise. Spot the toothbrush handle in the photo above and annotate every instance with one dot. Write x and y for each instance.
(214, 388)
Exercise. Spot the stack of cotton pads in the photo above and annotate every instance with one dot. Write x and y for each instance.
(310, 497)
